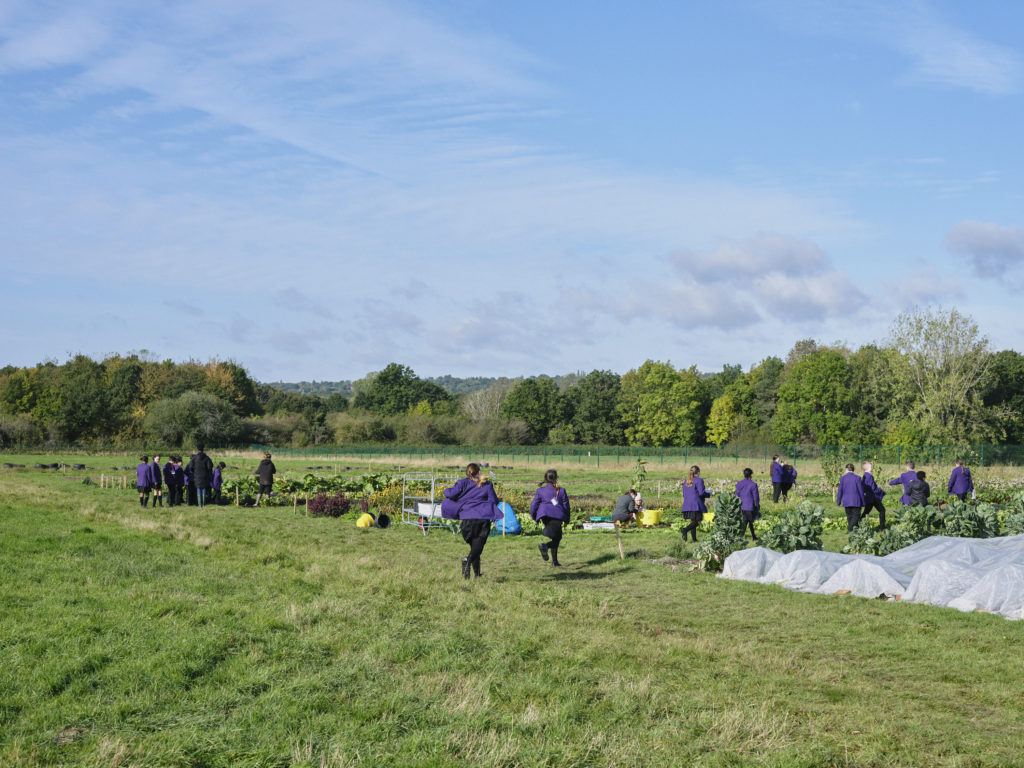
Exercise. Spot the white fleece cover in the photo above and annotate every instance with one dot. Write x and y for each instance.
(966, 574)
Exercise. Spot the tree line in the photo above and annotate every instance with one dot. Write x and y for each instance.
(935, 379)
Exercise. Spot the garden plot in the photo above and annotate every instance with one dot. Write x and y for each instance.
(984, 575)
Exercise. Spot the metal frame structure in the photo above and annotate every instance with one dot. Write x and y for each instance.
(415, 497)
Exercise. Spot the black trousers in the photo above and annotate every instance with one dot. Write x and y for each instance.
(776, 491)
(876, 504)
(852, 518)
(784, 487)
(553, 530)
(475, 533)
(961, 496)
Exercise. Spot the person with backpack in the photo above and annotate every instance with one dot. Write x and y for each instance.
(201, 467)
(265, 472)
(142, 481)
(550, 506)
(750, 500)
(473, 502)
(693, 501)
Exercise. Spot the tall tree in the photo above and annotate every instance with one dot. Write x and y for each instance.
(944, 360)
(663, 406)
(396, 390)
(721, 420)
(594, 402)
(815, 400)
(536, 402)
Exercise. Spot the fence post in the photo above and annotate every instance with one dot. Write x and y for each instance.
(599, 457)
(899, 454)
(662, 457)
(860, 452)
(983, 454)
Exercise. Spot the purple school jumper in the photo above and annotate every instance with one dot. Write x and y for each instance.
(850, 492)
(142, 476)
(777, 472)
(749, 496)
(217, 479)
(155, 479)
(542, 505)
(905, 480)
(872, 492)
(960, 481)
(475, 503)
(693, 500)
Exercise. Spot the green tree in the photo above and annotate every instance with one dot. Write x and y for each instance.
(193, 417)
(815, 400)
(594, 403)
(944, 360)
(396, 389)
(82, 406)
(721, 420)
(660, 405)
(1003, 394)
(537, 403)
(764, 380)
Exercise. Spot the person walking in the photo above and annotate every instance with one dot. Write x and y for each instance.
(777, 472)
(905, 480)
(217, 482)
(202, 473)
(788, 481)
(142, 481)
(960, 481)
(918, 490)
(265, 472)
(476, 506)
(850, 496)
(156, 482)
(550, 506)
(693, 501)
(873, 495)
(750, 500)
(625, 508)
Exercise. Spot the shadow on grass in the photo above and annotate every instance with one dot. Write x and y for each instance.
(563, 575)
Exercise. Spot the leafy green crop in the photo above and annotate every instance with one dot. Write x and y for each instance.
(798, 528)
(726, 535)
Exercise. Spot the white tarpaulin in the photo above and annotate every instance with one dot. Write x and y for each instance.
(966, 574)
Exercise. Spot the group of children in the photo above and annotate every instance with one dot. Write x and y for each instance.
(197, 483)
(859, 495)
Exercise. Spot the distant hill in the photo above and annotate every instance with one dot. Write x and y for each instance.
(313, 387)
(452, 384)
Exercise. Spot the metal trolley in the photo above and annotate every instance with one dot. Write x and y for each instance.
(419, 489)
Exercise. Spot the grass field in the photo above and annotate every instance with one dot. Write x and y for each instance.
(227, 637)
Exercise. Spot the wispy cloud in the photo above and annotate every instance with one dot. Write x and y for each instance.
(992, 249)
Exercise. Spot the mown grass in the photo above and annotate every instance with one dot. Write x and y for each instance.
(227, 637)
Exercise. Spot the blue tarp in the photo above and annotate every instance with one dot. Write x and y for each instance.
(509, 523)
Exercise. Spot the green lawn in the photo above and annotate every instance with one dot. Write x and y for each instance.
(228, 637)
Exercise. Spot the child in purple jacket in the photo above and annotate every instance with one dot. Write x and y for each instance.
(550, 506)
(750, 500)
(693, 501)
(477, 506)
(850, 496)
(142, 481)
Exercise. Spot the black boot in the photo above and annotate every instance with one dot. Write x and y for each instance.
(465, 567)
(476, 568)
(543, 547)
(554, 555)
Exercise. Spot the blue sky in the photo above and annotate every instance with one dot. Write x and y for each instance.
(317, 188)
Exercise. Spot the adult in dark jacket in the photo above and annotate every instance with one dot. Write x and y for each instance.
(477, 507)
(905, 480)
(550, 506)
(777, 473)
(142, 481)
(960, 481)
(918, 491)
(873, 495)
(625, 508)
(850, 496)
(750, 500)
(265, 473)
(202, 474)
(693, 501)
(156, 482)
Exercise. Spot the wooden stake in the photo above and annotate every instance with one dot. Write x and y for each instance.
(295, 504)
(236, 495)
(618, 536)
(101, 481)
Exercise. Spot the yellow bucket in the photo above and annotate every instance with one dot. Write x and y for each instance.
(649, 517)
(365, 520)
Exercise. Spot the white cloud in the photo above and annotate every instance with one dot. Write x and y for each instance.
(991, 248)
